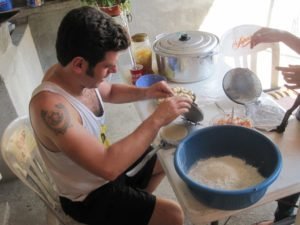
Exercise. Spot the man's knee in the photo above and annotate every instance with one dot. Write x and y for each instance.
(167, 212)
(177, 214)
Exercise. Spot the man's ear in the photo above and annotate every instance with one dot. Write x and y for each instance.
(79, 65)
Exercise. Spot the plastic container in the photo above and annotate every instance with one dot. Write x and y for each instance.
(148, 79)
(5, 5)
(216, 141)
(142, 51)
(227, 119)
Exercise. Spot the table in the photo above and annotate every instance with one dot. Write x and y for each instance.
(287, 183)
(208, 92)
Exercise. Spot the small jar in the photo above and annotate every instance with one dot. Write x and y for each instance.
(142, 51)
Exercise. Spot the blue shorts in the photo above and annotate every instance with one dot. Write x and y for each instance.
(119, 202)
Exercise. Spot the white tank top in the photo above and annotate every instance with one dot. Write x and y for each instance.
(72, 181)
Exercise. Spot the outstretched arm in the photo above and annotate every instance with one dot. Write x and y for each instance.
(122, 93)
(270, 35)
(291, 74)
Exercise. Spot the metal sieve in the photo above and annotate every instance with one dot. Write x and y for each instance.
(242, 86)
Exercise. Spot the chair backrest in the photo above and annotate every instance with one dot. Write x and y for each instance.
(236, 52)
(20, 153)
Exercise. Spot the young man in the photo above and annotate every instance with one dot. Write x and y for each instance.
(291, 75)
(67, 115)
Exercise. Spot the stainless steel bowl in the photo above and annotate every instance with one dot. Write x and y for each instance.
(186, 56)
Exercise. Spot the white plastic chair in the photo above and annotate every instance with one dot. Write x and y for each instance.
(236, 52)
(19, 151)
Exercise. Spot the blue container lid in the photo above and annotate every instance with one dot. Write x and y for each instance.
(148, 79)
(5, 5)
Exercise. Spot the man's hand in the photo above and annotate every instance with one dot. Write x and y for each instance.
(159, 90)
(291, 75)
(170, 109)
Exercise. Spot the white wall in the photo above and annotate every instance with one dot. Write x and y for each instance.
(163, 16)
(20, 68)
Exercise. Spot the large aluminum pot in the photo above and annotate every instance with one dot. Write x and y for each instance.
(186, 56)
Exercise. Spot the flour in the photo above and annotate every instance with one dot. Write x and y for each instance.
(227, 172)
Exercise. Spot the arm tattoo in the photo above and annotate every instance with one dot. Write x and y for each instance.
(58, 120)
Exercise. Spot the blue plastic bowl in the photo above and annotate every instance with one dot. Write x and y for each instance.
(247, 144)
(5, 5)
(148, 79)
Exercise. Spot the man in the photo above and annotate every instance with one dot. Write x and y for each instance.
(291, 75)
(67, 116)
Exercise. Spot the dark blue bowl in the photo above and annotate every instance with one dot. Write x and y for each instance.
(215, 141)
(148, 79)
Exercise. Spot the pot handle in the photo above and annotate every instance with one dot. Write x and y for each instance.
(184, 37)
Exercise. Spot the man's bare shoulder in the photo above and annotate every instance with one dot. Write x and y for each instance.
(51, 114)
(46, 100)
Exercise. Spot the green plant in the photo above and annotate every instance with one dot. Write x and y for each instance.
(106, 3)
(125, 4)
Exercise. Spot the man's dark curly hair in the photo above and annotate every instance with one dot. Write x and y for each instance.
(89, 33)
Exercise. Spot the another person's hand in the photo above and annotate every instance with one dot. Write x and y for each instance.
(291, 75)
(171, 108)
(266, 35)
(159, 90)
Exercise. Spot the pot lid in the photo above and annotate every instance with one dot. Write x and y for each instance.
(191, 43)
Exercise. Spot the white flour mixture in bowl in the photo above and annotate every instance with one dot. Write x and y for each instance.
(226, 172)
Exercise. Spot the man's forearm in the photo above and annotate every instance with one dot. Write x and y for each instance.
(122, 93)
